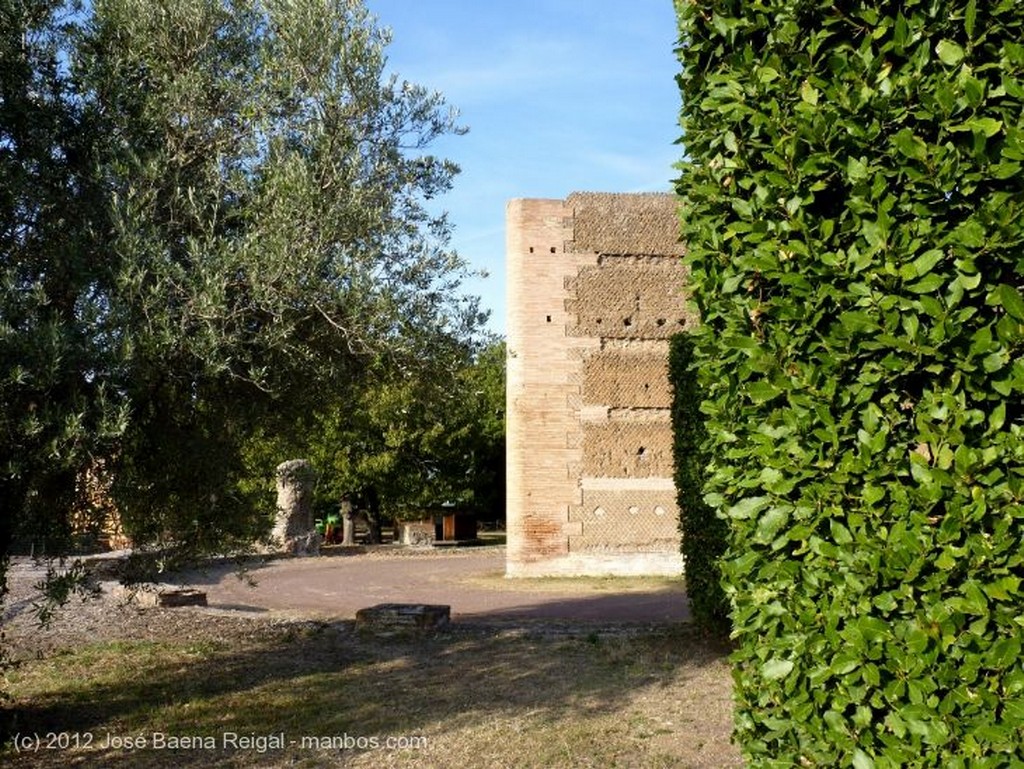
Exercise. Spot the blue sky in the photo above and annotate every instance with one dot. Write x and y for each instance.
(558, 95)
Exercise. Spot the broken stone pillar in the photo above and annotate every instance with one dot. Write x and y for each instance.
(294, 530)
(348, 521)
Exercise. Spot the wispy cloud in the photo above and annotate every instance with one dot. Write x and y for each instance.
(510, 70)
(559, 95)
(639, 172)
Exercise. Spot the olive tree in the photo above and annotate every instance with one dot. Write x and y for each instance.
(213, 212)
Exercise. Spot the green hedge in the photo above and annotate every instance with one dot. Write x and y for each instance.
(854, 211)
(703, 532)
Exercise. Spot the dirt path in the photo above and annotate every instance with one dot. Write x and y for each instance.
(471, 582)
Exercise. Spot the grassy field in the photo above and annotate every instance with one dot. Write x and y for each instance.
(205, 691)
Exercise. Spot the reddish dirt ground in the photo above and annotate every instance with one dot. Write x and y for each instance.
(471, 582)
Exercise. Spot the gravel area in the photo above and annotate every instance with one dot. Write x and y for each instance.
(109, 614)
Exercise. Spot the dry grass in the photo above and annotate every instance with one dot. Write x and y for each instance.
(478, 696)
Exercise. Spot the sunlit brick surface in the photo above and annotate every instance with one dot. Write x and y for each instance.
(595, 290)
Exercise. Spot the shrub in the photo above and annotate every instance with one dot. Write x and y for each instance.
(703, 533)
(853, 198)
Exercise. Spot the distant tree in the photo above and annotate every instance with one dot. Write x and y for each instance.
(211, 213)
(420, 438)
(485, 384)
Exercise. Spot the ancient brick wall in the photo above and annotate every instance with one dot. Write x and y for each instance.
(594, 293)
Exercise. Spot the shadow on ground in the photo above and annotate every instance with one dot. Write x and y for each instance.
(314, 679)
(474, 586)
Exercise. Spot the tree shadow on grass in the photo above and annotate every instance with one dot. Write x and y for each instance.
(312, 679)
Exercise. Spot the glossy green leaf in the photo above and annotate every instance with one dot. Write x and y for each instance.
(776, 669)
(1011, 300)
(748, 507)
(856, 169)
(970, 17)
(926, 261)
(809, 93)
(771, 522)
(949, 52)
(1004, 653)
(910, 145)
(986, 126)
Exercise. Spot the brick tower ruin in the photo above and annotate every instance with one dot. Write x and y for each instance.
(594, 294)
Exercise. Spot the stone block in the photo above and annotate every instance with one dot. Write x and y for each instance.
(390, 617)
(621, 449)
(416, 533)
(151, 595)
(183, 597)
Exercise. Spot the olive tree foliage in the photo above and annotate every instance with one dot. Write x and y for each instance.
(852, 202)
(219, 213)
(54, 412)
